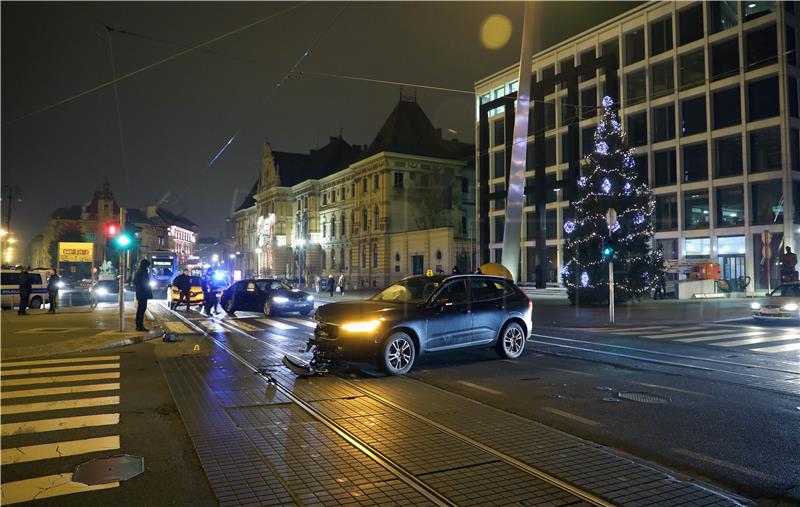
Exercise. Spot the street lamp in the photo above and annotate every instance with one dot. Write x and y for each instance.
(215, 259)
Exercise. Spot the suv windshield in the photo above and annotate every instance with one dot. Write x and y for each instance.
(789, 290)
(265, 285)
(412, 290)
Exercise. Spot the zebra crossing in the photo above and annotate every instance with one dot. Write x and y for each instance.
(54, 412)
(752, 338)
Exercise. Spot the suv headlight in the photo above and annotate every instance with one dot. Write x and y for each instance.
(361, 327)
(280, 299)
(755, 306)
(152, 283)
(790, 307)
(309, 298)
(101, 291)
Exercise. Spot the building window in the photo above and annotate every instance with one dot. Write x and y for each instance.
(398, 180)
(637, 128)
(765, 150)
(464, 226)
(342, 223)
(364, 225)
(791, 91)
(695, 163)
(587, 59)
(611, 48)
(587, 140)
(324, 229)
(727, 108)
(728, 156)
(662, 79)
(333, 227)
(762, 99)
(753, 10)
(566, 147)
(499, 133)
(363, 254)
(550, 151)
(766, 202)
(376, 218)
(761, 47)
(665, 168)
(634, 46)
(499, 159)
(695, 209)
(588, 103)
(660, 36)
(698, 247)
(722, 15)
(730, 206)
(364, 185)
(790, 45)
(498, 191)
(499, 223)
(376, 182)
(690, 24)
(641, 169)
(693, 116)
(693, 69)
(668, 247)
(794, 150)
(635, 88)
(549, 115)
(324, 198)
(374, 255)
(464, 185)
(724, 59)
(666, 212)
(568, 111)
(333, 259)
(663, 123)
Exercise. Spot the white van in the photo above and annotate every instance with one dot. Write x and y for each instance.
(9, 293)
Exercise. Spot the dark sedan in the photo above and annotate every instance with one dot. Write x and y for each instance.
(266, 295)
(423, 314)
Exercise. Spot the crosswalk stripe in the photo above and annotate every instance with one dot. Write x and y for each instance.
(50, 391)
(275, 323)
(177, 327)
(64, 360)
(46, 487)
(244, 326)
(55, 369)
(700, 331)
(635, 330)
(51, 450)
(58, 378)
(308, 323)
(779, 348)
(45, 406)
(212, 326)
(754, 341)
(60, 423)
(719, 337)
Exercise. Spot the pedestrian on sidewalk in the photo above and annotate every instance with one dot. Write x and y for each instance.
(25, 286)
(317, 281)
(331, 286)
(141, 282)
(52, 290)
(184, 284)
(209, 293)
(340, 283)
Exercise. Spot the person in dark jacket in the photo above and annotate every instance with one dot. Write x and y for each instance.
(209, 293)
(184, 284)
(331, 284)
(52, 290)
(25, 286)
(141, 282)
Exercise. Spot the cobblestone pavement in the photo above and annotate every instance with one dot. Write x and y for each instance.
(266, 437)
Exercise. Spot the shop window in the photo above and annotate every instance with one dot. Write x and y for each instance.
(663, 123)
(724, 59)
(660, 36)
(693, 69)
(765, 150)
(698, 247)
(695, 163)
(695, 209)
(664, 163)
(634, 46)
(728, 156)
(722, 15)
(693, 116)
(662, 79)
(636, 125)
(731, 245)
(690, 24)
(730, 206)
(666, 212)
(635, 88)
(766, 202)
(727, 108)
(763, 99)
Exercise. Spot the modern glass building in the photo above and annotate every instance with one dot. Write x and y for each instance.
(709, 98)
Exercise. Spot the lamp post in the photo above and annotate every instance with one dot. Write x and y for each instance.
(611, 219)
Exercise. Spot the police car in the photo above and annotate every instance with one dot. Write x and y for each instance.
(10, 288)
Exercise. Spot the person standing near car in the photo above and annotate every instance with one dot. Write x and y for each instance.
(25, 286)
(209, 293)
(141, 283)
(340, 283)
(331, 286)
(52, 290)
(788, 265)
(184, 284)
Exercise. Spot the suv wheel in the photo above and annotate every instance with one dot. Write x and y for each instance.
(511, 342)
(268, 309)
(229, 309)
(35, 303)
(397, 354)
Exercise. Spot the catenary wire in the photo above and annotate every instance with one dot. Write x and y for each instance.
(119, 114)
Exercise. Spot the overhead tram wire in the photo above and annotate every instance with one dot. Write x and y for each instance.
(119, 114)
(154, 64)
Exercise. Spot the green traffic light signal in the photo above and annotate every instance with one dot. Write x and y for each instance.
(123, 241)
(607, 251)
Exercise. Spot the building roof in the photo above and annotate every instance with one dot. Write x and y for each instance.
(70, 213)
(136, 216)
(295, 168)
(250, 199)
(170, 218)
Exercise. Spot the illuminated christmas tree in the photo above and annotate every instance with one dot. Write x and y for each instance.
(610, 183)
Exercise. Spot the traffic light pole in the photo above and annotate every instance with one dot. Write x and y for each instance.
(611, 291)
(122, 272)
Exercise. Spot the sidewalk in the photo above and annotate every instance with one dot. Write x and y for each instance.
(70, 330)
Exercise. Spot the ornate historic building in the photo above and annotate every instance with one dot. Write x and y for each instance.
(399, 206)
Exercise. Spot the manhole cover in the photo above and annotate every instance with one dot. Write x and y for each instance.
(644, 397)
(110, 469)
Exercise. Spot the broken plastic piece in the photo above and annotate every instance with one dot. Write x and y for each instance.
(108, 469)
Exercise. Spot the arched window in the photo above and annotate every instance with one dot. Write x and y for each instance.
(341, 259)
(375, 217)
(364, 219)
(363, 250)
(374, 255)
(333, 226)
(333, 258)
(324, 229)
(324, 257)
(352, 222)
(342, 225)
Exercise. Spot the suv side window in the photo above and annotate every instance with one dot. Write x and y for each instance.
(10, 278)
(454, 292)
(484, 289)
(36, 278)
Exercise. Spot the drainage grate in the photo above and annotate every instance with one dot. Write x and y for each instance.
(644, 397)
(109, 469)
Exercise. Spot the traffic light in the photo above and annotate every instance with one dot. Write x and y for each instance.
(123, 241)
(607, 251)
(112, 230)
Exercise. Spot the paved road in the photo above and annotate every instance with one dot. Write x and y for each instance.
(728, 413)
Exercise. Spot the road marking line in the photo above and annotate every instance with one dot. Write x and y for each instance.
(719, 337)
(58, 378)
(753, 341)
(574, 417)
(308, 323)
(61, 423)
(38, 452)
(686, 333)
(45, 487)
(574, 372)
(49, 391)
(54, 369)
(685, 391)
(634, 330)
(212, 326)
(275, 323)
(242, 325)
(779, 348)
(45, 406)
(478, 387)
(60, 361)
(722, 463)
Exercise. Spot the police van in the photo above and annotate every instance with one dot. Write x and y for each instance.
(10, 288)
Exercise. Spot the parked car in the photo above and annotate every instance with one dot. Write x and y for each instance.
(9, 278)
(422, 314)
(266, 295)
(783, 303)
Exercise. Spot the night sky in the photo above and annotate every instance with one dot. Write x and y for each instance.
(177, 116)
